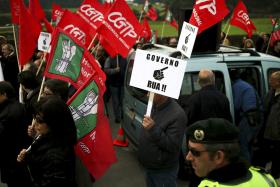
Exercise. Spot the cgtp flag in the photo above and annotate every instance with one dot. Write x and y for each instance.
(170, 19)
(152, 13)
(29, 31)
(275, 35)
(206, 13)
(57, 12)
(95, 145)
(241, 19)
(15, 10)
(36, 10)
(146, 33)
(121, 27)
(69, 60)
(92, 12)
(76, 27)
(108, 48)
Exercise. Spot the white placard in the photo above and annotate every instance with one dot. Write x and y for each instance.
(187, 39)
(44, 41)
(158, 73)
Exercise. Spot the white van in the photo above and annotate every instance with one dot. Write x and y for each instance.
(255, 68)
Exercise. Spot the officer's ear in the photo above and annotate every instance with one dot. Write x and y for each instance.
(219, 157)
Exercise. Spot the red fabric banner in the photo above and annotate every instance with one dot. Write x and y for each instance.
(15, 10)
(108, 48)
(36, 10)
(29, 31)
(92, 12)
(207, 13)
(146, 33)
(96, 147)
(169, 18)
(152, 13)
(76, 27)
(70, 61)
(241, 19)
(57, 12)
(121, 27)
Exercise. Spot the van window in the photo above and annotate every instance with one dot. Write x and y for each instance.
(190, 83)
(135, 92)
(252, 76)
(270, 71)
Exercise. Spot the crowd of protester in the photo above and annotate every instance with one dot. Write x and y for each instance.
(45, 122)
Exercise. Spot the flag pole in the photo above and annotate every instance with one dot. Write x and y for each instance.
(163, 24)
(226, 34)
(19, 66)
(16, 47)
(92, 41)
(226, 25)
(141, 14)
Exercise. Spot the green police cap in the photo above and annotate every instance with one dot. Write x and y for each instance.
(212, 130)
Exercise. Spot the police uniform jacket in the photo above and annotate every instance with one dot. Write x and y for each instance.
(238, 174)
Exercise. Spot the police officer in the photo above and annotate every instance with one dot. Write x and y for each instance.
(214, 152)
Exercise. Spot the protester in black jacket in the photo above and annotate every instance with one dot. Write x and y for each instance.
(13, 137)
(51, 158)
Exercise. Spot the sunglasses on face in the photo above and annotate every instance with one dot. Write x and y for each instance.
(196, 153)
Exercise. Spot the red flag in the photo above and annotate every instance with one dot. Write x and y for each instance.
(69, 60)
(207, 13)
(57, 12)
(152, 13)
(275, 35)
(241, 19)
(146, 33)
(121, 27)
(15, 10)
(108, 48)
(36, 10)
(92, 12)
(170, 19)
(48, 26)
(29, 31)
(95, 145)
(76, 27)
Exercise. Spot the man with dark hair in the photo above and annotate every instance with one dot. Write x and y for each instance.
(56, 87)
(31, 88)
(10, 65)
(214, 151)
(13, 137)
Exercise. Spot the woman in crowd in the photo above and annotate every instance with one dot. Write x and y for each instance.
(51, 157)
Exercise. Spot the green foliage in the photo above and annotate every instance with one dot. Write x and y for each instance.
(168, 30)
(262, 25)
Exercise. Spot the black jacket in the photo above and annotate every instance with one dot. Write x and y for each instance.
(159, 147)
(207, 103)
(51, 164)
(13, 138)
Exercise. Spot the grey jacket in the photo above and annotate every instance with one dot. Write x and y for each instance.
(159, 147)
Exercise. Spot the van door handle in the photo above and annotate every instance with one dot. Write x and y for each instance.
(131, 113)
